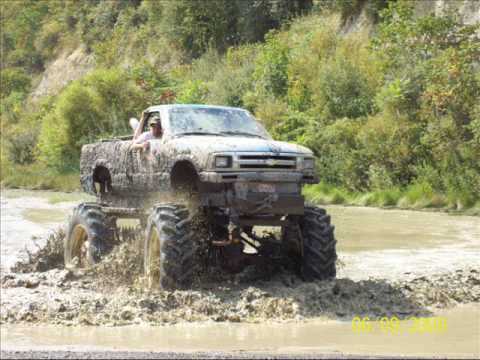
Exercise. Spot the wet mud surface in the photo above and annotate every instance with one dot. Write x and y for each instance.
(174, 355)
(58, 297)
(28, 217)
(113, 293)
(317, 338)
(391, 263)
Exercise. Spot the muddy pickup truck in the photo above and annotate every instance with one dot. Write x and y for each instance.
(215, 166)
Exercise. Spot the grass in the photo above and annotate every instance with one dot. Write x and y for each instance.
(414, 197)
(37, 177)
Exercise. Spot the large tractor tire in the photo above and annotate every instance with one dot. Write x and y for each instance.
(171, 250)
(311, 242)
(90, 236)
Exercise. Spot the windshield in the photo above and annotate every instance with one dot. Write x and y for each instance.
(214, 121)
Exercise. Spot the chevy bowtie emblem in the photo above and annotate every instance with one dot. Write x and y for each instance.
(271, 162)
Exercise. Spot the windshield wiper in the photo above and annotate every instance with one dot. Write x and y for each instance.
(241, 133)
(199, 133)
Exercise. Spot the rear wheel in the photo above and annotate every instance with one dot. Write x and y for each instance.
(171, 250)
(310, 241)
(90, 236)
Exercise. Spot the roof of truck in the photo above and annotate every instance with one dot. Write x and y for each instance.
(169, 106)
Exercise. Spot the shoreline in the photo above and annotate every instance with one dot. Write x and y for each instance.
(470, 211)
(310, 197)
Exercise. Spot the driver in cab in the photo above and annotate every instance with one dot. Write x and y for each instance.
(142, 142)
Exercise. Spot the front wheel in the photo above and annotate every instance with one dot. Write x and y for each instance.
(89, 237)
(170, 257)
(310, 240)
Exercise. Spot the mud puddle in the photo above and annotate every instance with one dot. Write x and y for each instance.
(371, 242)
(371, 229)
(396, 244)
(316, 336)
(28, 216)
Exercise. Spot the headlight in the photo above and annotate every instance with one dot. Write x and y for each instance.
(309, 163)
(223, 161)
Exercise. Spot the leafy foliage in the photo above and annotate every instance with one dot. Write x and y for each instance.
(95, 106)
(394, 113)
(222, 23)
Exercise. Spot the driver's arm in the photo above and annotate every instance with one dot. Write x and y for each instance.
(141, 143)
(141, 146)
(139, 129)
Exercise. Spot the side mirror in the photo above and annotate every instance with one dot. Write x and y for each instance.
(134, 123)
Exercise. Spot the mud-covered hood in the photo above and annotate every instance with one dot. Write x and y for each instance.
(213, 144)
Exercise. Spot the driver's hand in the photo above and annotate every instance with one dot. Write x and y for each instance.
(146, 145)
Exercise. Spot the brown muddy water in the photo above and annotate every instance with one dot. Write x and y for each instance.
(371, 242)
(394, 245)
(27, 216)
(460, 338)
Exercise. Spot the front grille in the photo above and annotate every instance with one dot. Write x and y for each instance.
(267, 162)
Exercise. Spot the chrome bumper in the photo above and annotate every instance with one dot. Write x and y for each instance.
(229, 177)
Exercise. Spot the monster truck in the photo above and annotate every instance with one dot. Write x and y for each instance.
(213, 163)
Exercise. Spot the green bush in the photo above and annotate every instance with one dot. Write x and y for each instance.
(196, 28)
(151, 80)
(400, 96)
(270, 111)
(97, 106)
(11, 108)
(233, 78)
(343, 91)
(21, 22)
(299, 96)
(222, 23)
(48, 39)
(204, 68)
(13, 80)
(417, 191)
(293, 126)
(192, 92)
(271, 67)
(388, 143)
(340, 160)
(379, 177)
(20, 145)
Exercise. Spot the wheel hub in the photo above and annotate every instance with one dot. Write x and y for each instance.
(81, 245)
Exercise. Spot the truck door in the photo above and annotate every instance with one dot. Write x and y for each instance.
(143, 164)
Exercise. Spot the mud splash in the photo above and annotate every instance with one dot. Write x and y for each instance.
(62, 297)
(46, 257)
(40, 291)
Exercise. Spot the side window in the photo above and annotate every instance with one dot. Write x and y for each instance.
(149, 116)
